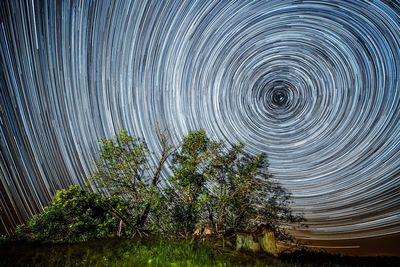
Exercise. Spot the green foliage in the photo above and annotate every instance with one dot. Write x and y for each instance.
(243, 195)
(212, 186)
(123, 169)
(225, 189)
(75, 215)
(188, 194)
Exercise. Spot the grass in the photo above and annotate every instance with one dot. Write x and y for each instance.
(156, 252)
(117, 252)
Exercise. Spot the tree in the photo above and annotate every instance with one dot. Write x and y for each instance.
(225, 189)
(123, 169)
(187, 195)
(212, 185)
(243, 195)
(75, 215)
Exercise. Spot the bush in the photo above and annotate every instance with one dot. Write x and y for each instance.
(75, 215)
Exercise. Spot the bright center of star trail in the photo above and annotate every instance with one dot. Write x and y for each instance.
(314, 84)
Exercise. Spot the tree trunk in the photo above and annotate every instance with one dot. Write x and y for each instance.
(143, 218)
(166, 152)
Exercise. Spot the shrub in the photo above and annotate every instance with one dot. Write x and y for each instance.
(75, 215)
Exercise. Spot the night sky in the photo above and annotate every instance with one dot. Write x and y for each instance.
(314, 84)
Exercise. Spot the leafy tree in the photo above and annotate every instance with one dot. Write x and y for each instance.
(187, 196)
(124, 170)
(75, 215)
(243, 196)
(225, 189)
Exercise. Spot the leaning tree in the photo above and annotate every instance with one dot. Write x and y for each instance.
(124, 169)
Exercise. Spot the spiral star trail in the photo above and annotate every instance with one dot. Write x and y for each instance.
(314, 84)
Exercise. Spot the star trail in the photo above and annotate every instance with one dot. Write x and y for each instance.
(314, 84)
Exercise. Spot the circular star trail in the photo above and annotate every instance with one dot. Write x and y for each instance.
(314, 84)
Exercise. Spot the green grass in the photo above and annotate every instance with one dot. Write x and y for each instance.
(117, 252)
(156, 252)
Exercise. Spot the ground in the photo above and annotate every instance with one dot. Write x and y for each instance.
(156, 252)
